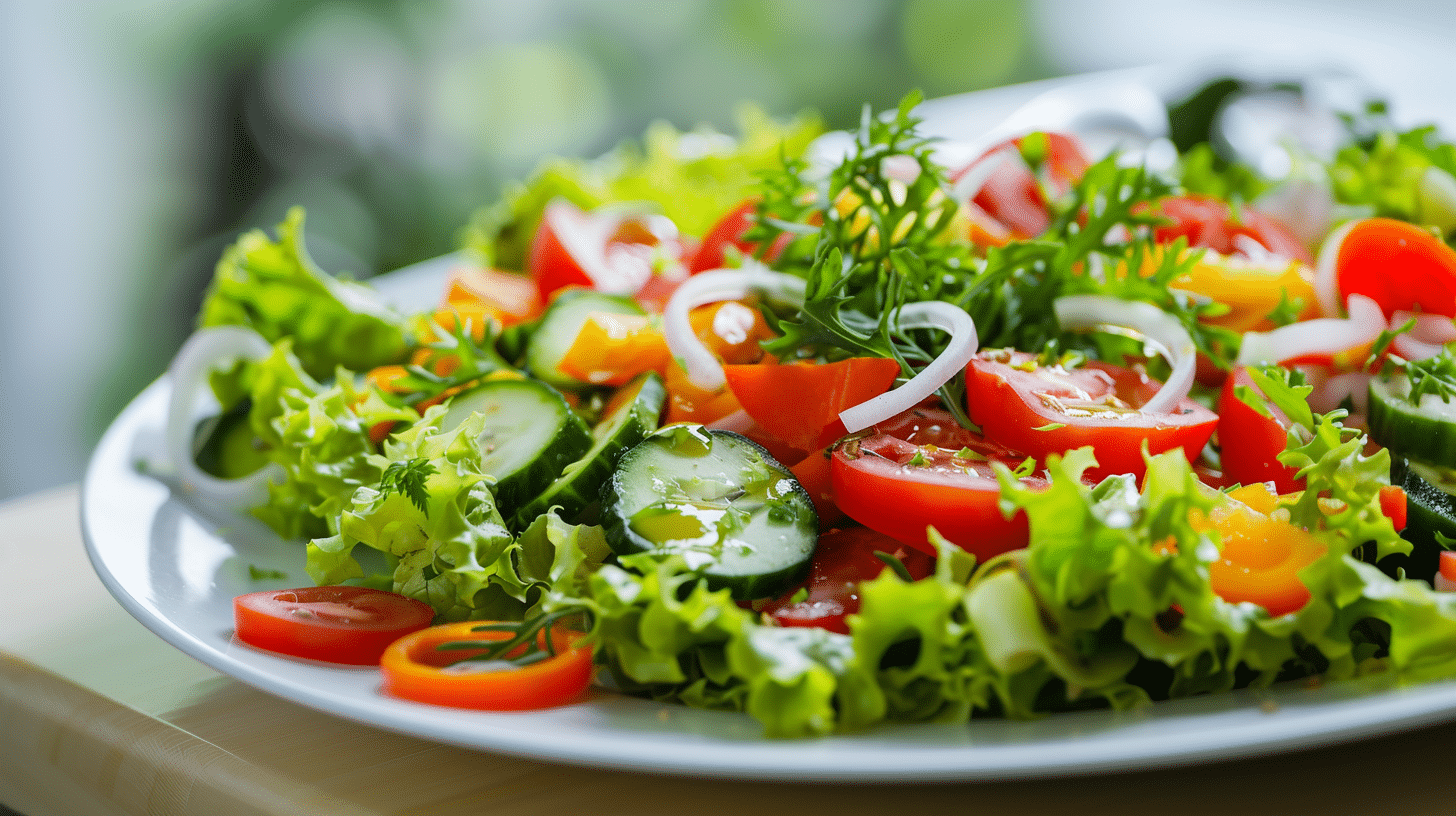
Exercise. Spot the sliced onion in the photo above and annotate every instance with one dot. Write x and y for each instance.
(703, 368)
(1153, 325)
(738, 422)
(1326, 275)
(203, 352)
(1331, 392)
(1426, 339)
(1321, 337)
(930, 314)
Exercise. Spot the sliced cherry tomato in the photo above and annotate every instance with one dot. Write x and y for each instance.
(1039, 410)
(416, 668)
(1393, 504)
(901, 487)
(1259, 556)
(1400, 266)
(1211, 222)
(609, 250)
(338, 624)
(842, 559)
(1446, 573)
(800, 402)
(1012, 194)
(729, 231)
(1249, 441)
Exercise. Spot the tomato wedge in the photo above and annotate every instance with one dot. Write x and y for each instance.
(1249, 441)
(1038, 410)
(842, 559)
(1213, 223)
(900, 487)
(1400, 266)
(338, 624)
(609, 249)
(416, 668)
(1012, 195)
(800, 402)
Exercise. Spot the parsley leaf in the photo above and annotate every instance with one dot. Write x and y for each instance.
(408, 480)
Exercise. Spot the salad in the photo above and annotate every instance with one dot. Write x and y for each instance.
(840, 436)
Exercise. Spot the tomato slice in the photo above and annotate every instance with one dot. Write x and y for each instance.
(416, 668)
(842, 559)
(900, 487)
(1250, 442)
(1011, 195)
(338, 624)
(610, 249)
(1039, 410)
(1210, 222)
(1400, 266)
(800, 402)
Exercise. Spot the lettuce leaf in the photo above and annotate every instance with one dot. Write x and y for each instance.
(694, 177)
(447, 544)
(274, 288)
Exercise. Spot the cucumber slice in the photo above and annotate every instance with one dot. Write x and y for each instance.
(224, 445)
(628, 419)
(1430, 509)
(530, 435)
(559, 327)
(1425, 431)
(720, 501)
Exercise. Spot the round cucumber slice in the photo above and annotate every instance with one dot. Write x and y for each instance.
(1424, 430)
(1430, 509)
(530, 434)
(559, 327)
(718, 500)
(628, 419)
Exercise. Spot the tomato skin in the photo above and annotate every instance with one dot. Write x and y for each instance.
(1008, 395)
(1211, 222)
(877, 483)
(412, 668)
(1012, 197)
(800, 402)
(1251, 442)
(609, 250)
(338, 624)
(842, 559)
(729, 231)
(1399, 265)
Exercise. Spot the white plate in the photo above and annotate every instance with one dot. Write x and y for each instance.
(176, 566)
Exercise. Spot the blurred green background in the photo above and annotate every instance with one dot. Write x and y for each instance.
(139, 137)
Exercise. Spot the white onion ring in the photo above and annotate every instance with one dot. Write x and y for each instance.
(929, 314)
(1160, 329)
(1326, 276)
(979, 172)
(204, 351)
(1321, 336)
(712, 286)
(1426, 339)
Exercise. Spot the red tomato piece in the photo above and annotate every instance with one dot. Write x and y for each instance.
(416, 668)
(800, 402)
(338, 624)
(901, 487)
(1039, 410)
(1211, 222)
(1012, 195)
(1250, 442)
(1393, 505)
(842, 559)
(712, 252)
(610, 249)
(1400, 266)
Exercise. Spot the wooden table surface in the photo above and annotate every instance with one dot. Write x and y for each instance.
(99, 716)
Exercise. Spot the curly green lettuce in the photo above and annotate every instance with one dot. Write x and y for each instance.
(274, 288)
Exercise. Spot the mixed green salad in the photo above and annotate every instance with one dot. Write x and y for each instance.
(839, 437)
